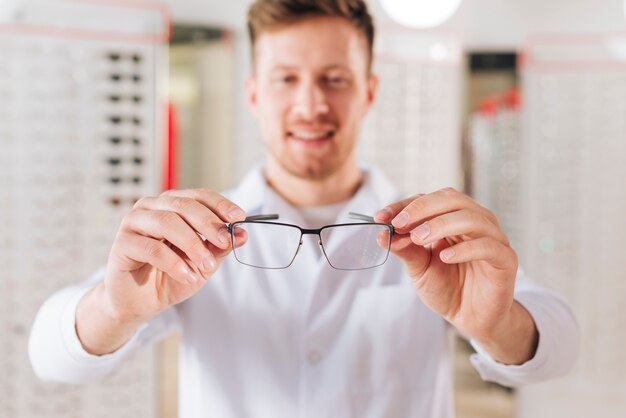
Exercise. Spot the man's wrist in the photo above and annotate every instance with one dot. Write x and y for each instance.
(515, 340)
(98, 330)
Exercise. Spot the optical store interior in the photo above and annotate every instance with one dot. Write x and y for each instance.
(520, 104)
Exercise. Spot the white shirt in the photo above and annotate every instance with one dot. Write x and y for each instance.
(318, 216)
(307, 341)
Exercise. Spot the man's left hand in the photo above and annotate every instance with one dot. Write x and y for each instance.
(463, 267)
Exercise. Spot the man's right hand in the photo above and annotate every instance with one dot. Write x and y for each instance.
(158, 259)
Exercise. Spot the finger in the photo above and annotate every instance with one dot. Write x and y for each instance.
(169, 226)
(240, 237)
(415, 257)
(156, 253)
(386, 214)
(226, 210)
(464, 222)
(194, 213)
(486, 248)
(428, 206)
(406, 215)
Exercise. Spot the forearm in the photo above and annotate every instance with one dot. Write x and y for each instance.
(97, 329)
(516, 338)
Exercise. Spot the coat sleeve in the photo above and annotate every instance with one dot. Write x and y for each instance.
(55, 351)
(559, 340)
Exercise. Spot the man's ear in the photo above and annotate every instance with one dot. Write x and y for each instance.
(251, 94)
(372, 90)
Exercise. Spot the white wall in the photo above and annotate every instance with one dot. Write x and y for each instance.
(479, 23)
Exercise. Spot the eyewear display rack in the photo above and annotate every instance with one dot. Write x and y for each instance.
(81, 128)
(413, 131)
(573, 161)
(494, 145)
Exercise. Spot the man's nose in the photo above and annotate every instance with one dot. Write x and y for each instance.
(310, 101)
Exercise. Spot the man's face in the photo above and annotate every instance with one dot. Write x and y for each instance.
(309, 93)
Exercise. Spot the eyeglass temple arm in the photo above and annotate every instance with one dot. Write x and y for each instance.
(274, 216)
(366, 218)
(262, 217)
(361, 217)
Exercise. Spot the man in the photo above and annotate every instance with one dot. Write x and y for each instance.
(309, 340)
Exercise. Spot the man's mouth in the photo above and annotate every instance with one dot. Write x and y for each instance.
(311, 137)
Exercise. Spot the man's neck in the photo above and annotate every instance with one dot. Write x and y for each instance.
(299, 192)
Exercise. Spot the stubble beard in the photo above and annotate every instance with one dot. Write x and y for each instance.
(315, 168)
(312, 172)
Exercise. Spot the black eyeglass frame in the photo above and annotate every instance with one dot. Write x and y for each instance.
(263, 219)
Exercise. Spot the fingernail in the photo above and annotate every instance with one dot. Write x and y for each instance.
(208, 261)
(401, 220)
(223, 236)
(421, 231)
(447, 254)
(235, 212)
(191, 278)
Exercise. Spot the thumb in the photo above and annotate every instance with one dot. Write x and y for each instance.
(416, 258)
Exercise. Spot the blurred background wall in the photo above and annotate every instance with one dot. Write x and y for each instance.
(521, 104)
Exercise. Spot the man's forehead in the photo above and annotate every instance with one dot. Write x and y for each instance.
(324, 42)
(277, 67)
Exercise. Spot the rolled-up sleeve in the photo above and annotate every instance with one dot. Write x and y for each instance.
(559, 340)
(55, 352)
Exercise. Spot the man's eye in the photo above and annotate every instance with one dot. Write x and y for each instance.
(336, 81)
(288, 79)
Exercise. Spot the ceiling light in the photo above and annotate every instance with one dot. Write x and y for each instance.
(420, 13)
(8, 10)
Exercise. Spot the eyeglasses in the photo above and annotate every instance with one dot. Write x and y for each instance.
(117, 77)
(117, 140)
(116, 57)
(122, 201)
(118, 119)
(118, 160)
(117, 98)
(118, 180)
(347, 246)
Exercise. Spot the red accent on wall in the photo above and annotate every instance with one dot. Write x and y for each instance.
(88, 34)
(170, 156)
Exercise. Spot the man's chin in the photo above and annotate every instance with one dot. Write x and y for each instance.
(310, 172)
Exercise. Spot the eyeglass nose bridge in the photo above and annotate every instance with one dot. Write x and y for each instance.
(311, 232)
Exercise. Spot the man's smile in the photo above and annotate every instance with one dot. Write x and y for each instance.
(311, 137)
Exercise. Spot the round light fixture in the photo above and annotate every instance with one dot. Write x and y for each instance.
(8, 10)
(420, 13)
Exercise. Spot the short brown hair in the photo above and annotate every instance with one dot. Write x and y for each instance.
(268, 14)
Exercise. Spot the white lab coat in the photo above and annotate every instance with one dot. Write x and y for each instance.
(308, 341)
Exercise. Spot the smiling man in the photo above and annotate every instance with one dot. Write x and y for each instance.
(355, 323)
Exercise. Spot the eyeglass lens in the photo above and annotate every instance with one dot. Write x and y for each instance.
(269, 245)
(356, 246)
